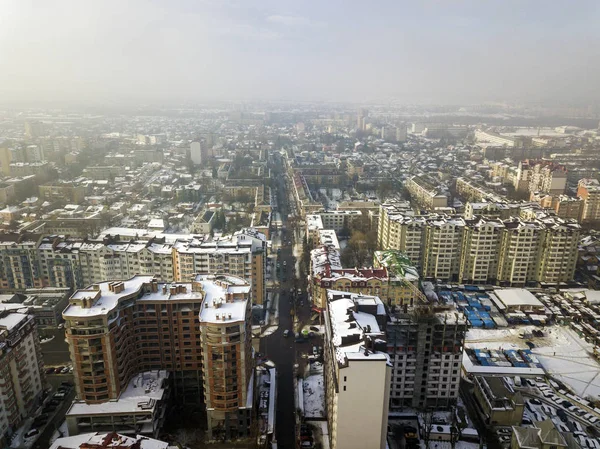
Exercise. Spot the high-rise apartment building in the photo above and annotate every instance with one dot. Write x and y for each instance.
(356, 370)
(196, 153)
(512, 251)
(518, 254)
(226, 336)
(244, 254)
(442, 243)
(198, 331)
(480, 241)
(541, 176)
(559, 242)
(589, 191)
(34, 128)
(21, 369)
(399, 228)
(19, 264)
(425, 347)
(116, 329)
(31, 260)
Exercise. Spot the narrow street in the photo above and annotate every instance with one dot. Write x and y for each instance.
(282, 350)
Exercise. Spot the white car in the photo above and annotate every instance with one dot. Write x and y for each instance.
(31, 433)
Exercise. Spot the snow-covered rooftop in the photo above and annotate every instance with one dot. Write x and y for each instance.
(350, 326)
(141, 395)
(223, 302)
(512, 297)
(108, 440)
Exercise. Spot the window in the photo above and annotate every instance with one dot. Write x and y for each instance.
(344, 387)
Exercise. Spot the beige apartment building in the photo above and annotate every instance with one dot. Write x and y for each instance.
(356, 371)
(541, 176)
(480, 242)
(513, 251)
(425, 193)
(563, 206)
(559, 243)
(244, 255)
(518, 254)
(64, 191)
(475, 192)
(589, 192)
(442, 242)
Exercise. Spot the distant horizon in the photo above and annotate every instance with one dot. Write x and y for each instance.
(428, 52)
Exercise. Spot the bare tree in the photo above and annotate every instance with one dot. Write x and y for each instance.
(426, 421)
(456, 427)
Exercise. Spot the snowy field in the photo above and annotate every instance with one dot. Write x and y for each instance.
(564, 354)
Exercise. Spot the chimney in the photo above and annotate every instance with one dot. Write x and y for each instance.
(173, 290)
(164, 289)
(229, 316)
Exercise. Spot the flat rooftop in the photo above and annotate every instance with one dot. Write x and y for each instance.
(216, 308)
(103, 299)
(12, 319)
(348, 326)
(512, 297)
(140, 396)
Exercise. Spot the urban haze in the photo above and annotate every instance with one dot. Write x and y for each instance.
(309, 225)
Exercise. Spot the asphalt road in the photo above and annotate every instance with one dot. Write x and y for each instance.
(276, 347)
(58, 417)
(56, 351)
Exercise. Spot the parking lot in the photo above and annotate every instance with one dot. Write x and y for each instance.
(37, 430)
(546, 400)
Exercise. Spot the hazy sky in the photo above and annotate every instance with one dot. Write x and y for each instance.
(417, 51)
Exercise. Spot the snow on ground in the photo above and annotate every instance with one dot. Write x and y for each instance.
(63, 431)
(47, 340)
(268, 331)
(570, 360)
(507, 333)
(320, 433)
(561, 351)
(314, 392)
(448, 445)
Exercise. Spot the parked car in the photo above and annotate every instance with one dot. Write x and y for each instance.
(535, 401)
(49, 370)
(314, 328)
(286, 333)
(31, 433)
(59, 369)
(65, 370)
